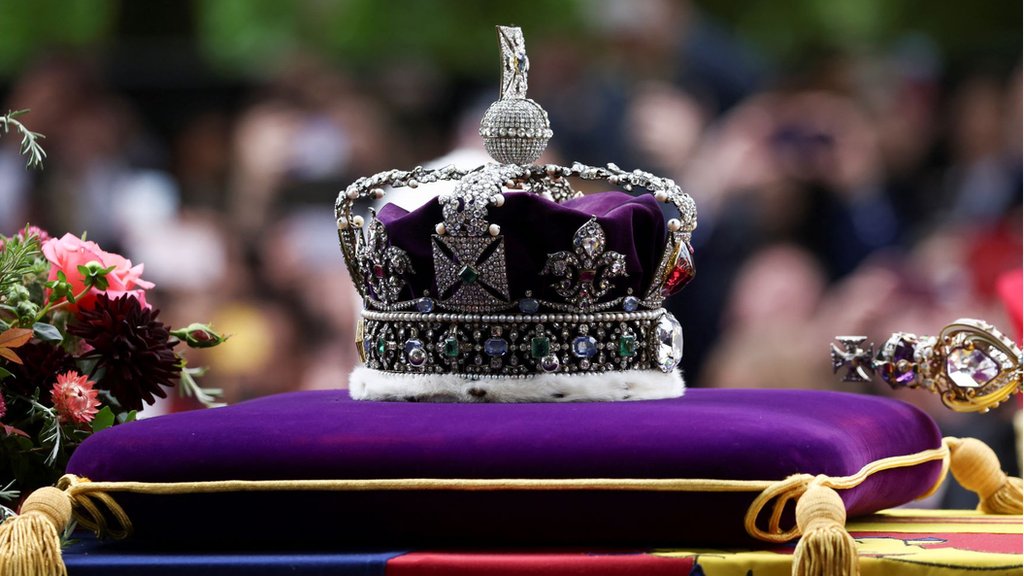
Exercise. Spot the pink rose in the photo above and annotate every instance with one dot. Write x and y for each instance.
(66, 254)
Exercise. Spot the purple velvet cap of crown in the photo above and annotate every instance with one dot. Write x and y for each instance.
(535, 227)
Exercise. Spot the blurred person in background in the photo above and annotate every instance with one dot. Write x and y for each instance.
(852, 174)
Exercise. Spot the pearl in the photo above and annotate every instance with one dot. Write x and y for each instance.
(499, 200)
(352, 194)
(494, 229)
(342, 223)
(357, 221)
(377, 193)
(674, 224)
(440, 229)
(661, 196)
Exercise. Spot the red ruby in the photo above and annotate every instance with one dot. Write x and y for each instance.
(681, 274)
(378, 270)
(587, 275)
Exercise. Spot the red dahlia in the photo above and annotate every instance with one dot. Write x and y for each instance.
(39, 362)
(132, 348)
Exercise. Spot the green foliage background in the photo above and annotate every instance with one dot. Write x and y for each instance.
(243, 37)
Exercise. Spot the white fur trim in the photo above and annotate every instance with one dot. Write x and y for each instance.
(369, 384)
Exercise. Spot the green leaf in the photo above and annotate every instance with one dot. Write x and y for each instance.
(103, 419)
(125, 417)
(4, 373)
(47, 332)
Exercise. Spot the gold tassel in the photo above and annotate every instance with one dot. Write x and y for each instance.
(825, 549)
(30, 542)
(976, 467)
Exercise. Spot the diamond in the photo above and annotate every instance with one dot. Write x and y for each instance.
(496, 346)
(630, 303)
(425, 305)
(970, 368)
(627, 345)
(584, 346)
(529, 306)
(522, 63)
(669, 343)
(540, 346)
(469, 274)
(451, 347)
(591, 245)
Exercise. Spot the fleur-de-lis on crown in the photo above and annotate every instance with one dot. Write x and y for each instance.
(586, 272)
(383, 266)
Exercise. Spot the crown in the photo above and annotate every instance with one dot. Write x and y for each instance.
(511, 285)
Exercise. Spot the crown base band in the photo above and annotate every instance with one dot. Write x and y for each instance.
(370, 384)
(496, 346)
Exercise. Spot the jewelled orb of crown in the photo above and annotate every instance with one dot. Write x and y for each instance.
(512, 286)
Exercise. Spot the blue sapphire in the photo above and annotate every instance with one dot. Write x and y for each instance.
(584, 346)
(529, 306)
(496, 347)
(630, 303)
(411, 344)
(425, 305)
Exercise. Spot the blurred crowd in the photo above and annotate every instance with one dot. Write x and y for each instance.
(850, 192)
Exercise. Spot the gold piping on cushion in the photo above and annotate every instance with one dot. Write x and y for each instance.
(827, 552)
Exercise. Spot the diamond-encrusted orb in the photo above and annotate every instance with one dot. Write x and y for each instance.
(970, 368)
(515, 131)
(549, 363)
(669, 345)
(584, 346)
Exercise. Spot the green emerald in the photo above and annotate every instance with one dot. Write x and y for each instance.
(469, 274)
(627, 345)
(451, 347)
(381, 346)
(540, 347)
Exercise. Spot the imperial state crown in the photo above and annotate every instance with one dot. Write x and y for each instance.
(512, 286)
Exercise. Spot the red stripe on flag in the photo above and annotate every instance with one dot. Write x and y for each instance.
(536, 564)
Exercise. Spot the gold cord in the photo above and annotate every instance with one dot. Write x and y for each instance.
(96, 509)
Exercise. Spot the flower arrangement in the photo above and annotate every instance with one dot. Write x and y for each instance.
(81, 349)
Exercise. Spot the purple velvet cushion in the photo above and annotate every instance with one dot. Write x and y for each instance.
(721, 434)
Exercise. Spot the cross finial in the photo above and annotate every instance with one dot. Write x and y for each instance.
(853, 357)
(514, 63)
